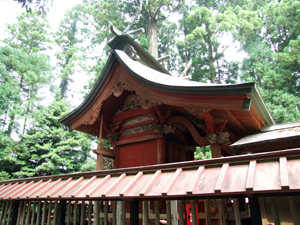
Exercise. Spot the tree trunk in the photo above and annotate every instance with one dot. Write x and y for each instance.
(152, 35)
(211, 59)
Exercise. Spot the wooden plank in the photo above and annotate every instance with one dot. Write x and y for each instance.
(105, 212)
(5, 213)
(274, 210)
(168, 209)
(69, 213)
(146, 213)
(174, 212)
(97, 212)
(33, 213)
(294, 211)
(82, 213)
(171, 181)
(28, 213)
(38, 216)
(106, 178)
(127, 187)
(221, 178)
(284, 176)
(49, 213)
(237, 215)
(9, 213)
(194, 213)
(55, 212)
(251, 176)
(114, 213)
(75, 212)
(120, 178)
(195, 179)
(156, 211)
(150, 182)
(221, 205)
(90, 212)
(85, 186)
(207, 213)
(180, 212)
(22, 217)
(44, 213)
(121, 213)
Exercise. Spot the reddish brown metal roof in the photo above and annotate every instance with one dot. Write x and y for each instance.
(275, 172)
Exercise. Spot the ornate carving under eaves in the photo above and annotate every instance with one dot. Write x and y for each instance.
(223, 138)
(111, 137)
(131, 102)
(136, 120)
(108, 163)
(138, 129)
(220, 138)
(196, 111)
(147, 103)
(196, 120)
(163, 129)
(118, 89)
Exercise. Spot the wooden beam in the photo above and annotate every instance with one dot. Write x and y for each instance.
(221, 205)
(255, 211)
(9, 213)
(194, 212)
(82, 213)
(38, 215)
(145, 213)
(49, 213)
(180, 212)
(90, 212)
(105, 212)
(69, 214)
(114, 213)
(134, 212)
(168, 209)
(284, 176)
(156, 211)
(216, 151)
(221, 178)
(33, 213)
(28, 213)
(174, 212)
(237, 215)
(207, 213)
(75, 212)
(251, 176)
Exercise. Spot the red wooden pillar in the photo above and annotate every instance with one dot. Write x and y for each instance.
(216, 151)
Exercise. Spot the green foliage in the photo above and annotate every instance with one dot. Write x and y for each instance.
(202, 153)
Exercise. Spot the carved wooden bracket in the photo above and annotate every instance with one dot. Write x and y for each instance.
(196, 111)
(202, 141)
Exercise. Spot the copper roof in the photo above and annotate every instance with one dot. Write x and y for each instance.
(275, 172)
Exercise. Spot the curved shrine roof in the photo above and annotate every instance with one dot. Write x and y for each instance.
(164, 82)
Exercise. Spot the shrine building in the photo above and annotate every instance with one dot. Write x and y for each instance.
(154, 122)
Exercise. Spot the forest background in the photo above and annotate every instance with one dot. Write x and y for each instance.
(35, 82)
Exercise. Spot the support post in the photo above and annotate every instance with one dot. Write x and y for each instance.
(216, 151)
(174, 212)
(134, 212)
(255, 211)
(61, 214)
(145, 213)
(237, 215)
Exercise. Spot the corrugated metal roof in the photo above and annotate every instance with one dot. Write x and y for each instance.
(275, 172)
(272, 133)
